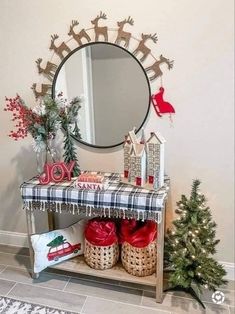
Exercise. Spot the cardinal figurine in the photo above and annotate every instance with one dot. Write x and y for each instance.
(160, 105)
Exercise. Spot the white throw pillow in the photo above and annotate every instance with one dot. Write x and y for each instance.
(58, 245)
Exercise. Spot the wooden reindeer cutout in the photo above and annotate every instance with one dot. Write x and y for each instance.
(48, 71)
(144, 49)
(155, 67)
(100, 30)
(60, 49)
(78, 36)
(45, 90)
(122, 35)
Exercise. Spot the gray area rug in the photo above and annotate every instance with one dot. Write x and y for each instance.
(12, 306)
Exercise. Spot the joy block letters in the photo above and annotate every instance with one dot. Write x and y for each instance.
(56, 172)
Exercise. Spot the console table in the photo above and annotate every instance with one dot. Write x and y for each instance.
(119, 200)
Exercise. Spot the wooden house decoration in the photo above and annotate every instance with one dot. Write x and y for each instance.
(130, 139)
(155, 160)
(144, 160)
(138, 164)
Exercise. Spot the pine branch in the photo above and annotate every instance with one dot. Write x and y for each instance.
(76, 131)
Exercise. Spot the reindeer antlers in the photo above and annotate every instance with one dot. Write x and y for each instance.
(38, 61)
(154, 37)
(74, 23)
(102, 16)
(170, 64)
(150, 36)
(54, 37)
(129, 21)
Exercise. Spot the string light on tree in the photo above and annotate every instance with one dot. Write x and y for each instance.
(187, 255)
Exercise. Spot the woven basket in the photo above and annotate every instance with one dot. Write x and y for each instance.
(139, 261)
(101, 257)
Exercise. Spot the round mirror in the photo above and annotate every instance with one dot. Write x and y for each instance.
(114, 89)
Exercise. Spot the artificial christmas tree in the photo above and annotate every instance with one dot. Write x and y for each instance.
(190, 245)
(68, 118)
(70, 152)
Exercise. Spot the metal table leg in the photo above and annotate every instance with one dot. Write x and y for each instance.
(31, 230)
(160, 258)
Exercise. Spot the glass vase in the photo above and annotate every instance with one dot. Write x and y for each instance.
(46, 155)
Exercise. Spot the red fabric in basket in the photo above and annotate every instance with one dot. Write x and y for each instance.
(138, 234)
(100, 232)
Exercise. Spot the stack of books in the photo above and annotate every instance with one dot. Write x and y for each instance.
(91, 181)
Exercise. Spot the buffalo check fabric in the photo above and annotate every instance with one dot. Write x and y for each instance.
(118, 200)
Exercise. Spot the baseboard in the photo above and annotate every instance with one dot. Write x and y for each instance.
(13, 238)
(229, 267)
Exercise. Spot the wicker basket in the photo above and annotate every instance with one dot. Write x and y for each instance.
(101, 257)
(139, 261)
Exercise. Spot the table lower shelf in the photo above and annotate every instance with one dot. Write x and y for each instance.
(78, 265)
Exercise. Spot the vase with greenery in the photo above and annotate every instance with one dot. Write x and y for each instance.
(43, 123)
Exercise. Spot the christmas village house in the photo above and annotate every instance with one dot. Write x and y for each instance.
(155, 160)
(129, 142)
(144, 161)
(138, 163)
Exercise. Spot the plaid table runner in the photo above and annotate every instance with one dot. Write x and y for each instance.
(119, 200)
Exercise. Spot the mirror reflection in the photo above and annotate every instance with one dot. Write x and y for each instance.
(114, 89)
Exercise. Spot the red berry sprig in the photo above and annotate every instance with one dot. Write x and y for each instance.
(23, 117)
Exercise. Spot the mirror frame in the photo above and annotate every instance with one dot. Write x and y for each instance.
(91, 35)
(139, 63)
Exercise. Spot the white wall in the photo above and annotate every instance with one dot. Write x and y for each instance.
(198, 35)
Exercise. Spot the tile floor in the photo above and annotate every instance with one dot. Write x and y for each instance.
(91, 295)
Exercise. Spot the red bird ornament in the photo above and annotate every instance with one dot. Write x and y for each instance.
(160, 105)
